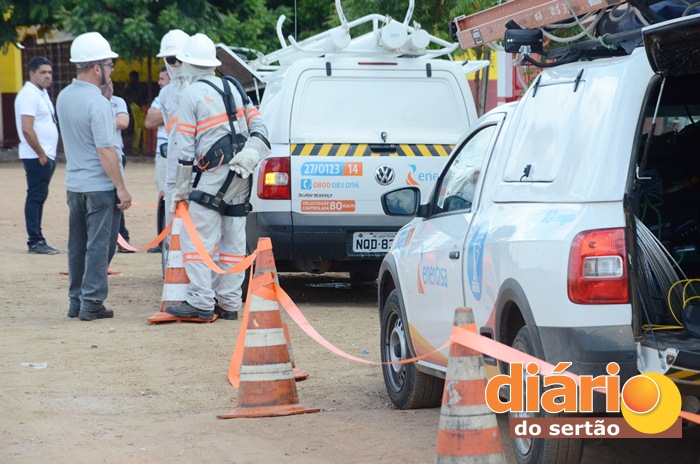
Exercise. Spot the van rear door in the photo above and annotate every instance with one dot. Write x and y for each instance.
(357, 133)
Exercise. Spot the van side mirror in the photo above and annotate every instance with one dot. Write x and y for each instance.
(401, 202)
(516, 39)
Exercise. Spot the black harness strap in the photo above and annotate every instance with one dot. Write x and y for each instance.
(219, 155)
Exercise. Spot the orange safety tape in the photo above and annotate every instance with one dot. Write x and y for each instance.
(260, 286)
(201, 249)
(508, 354)
(156, 241)
(296, 315)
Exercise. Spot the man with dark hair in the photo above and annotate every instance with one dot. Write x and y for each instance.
(38, 133)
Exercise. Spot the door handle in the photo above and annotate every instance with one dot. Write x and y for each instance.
(454, 255)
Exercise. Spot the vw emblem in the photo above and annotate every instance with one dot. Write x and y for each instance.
(384, 175)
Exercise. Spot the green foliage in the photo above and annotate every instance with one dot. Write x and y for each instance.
(22, 13)
(134, 27)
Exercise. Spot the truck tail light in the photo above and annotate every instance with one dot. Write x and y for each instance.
(273, 179)
(597, 268)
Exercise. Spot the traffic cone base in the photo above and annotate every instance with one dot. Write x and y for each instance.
(175, 281)
(163, 317)
(109, 272)
(267, 411)
(299, 374)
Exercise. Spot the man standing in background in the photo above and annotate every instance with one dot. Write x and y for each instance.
(95, 189)
(121, 119)
(154, 119)
(38, 133)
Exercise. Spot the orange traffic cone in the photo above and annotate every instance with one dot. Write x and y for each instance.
(267, 387)
(468, 430)
(175, 281)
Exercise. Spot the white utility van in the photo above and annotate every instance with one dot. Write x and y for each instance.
(569, 222)
(350, 118)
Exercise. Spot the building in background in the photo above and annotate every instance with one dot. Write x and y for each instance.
(55, 46)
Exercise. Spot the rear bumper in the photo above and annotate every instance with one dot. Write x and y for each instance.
(316, 237)
(590, 349)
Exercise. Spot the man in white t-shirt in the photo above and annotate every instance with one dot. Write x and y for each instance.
(154, 119)
(38, 133)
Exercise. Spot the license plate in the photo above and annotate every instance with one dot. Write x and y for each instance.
(372, 242)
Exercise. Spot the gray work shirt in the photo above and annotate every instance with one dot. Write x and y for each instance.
(118, 107)
(87, 123)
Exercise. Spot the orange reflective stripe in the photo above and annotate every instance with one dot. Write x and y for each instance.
(218, 116)
(252, 113)
(184, 130)
(230, 259)
(206, 128)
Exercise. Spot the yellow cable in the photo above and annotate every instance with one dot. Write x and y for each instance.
(668, 300)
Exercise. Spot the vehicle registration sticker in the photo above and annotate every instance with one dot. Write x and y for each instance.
(372, 242)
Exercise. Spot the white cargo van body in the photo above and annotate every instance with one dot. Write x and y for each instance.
(346, 126)
(588, 187)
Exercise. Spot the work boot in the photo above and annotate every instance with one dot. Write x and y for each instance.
(41, 248)
(121, 249)
(224, 314)
(185, 309)
(73, 312)
(102, 313)
(155, 249)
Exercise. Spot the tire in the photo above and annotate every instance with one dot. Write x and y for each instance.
(542, 450)
(408, 388)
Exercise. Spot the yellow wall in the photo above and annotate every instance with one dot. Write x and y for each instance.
(470, 55)
(11, 70)
(124, 67)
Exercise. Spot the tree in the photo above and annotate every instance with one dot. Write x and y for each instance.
(27, 12)
(134, 27)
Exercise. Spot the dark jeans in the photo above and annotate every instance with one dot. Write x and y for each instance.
(38, 178)
(93, 226)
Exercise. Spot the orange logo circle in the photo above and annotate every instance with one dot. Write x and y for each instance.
(650, 403)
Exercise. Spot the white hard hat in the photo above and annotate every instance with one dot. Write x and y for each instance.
(90, 46)
(172, 42)
(199, 51)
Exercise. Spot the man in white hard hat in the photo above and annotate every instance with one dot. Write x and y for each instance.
(96, 193)
(154, 119)
(224, 142)
(170, 45)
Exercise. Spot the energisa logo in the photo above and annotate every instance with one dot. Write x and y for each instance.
(435, 276)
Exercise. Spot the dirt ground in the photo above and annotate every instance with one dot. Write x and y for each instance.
(120, 390)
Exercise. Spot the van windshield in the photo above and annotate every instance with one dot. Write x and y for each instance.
(408, 108)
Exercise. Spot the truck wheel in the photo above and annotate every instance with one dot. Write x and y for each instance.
(542, 450)
(408, 388)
